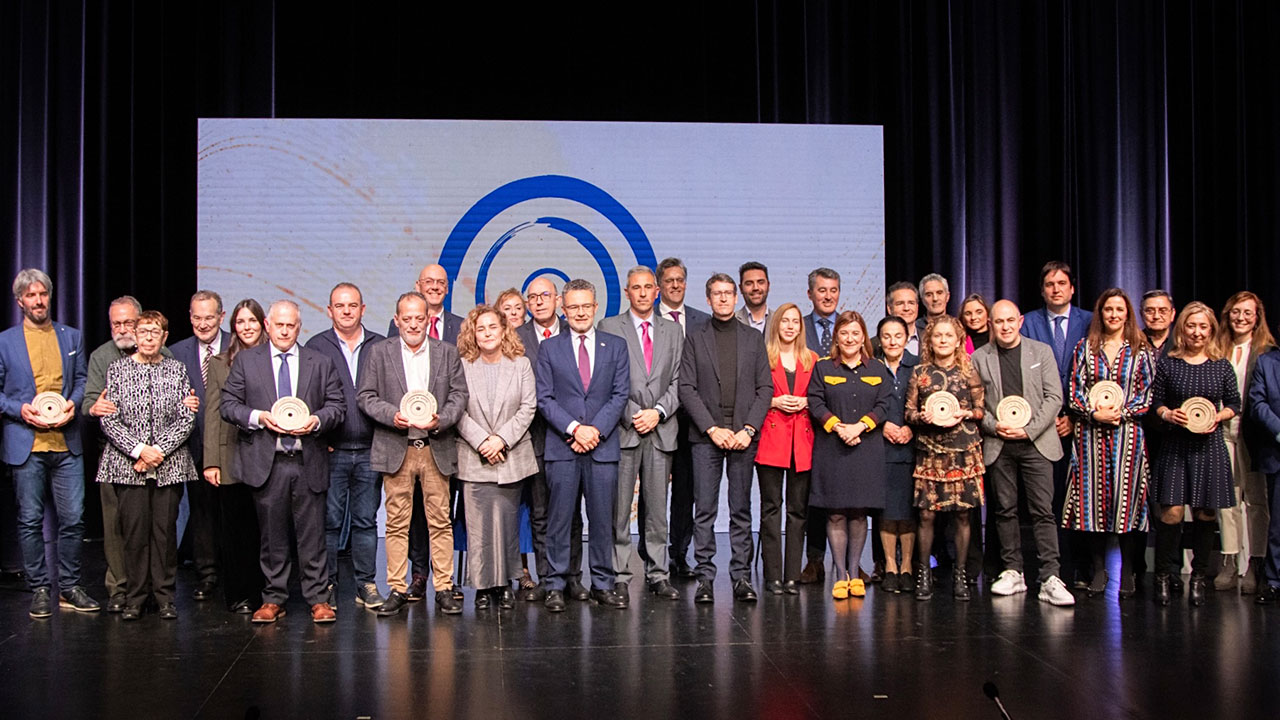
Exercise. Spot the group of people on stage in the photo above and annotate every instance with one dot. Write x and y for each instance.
(490, 433)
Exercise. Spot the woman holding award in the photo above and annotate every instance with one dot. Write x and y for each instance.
(1195, 391)
(1110, 392)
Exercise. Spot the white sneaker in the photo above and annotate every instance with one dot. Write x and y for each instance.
(1009, 582)
(1054, 592)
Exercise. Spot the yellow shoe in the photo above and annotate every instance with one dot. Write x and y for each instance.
(857, 588)
(840, 590)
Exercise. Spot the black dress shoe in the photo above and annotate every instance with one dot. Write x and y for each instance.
(664, 590)
(168, 612)
(681, 569)
(1175, 584)
(537, 593)
(1196, 592)
(623, 591)
(773, 587)
(482, 599)
(506, 599)
(554, 601)
(457, 592)
(447, 603)
(576, 591)
(204, 590)
(392, 605)
(877, 574)
(242, 608)
(132, 612)
(417, 589)
(743, 591)
(608, 598)
(116, 603)
(1267, 595)
(1162, 590)
(703, 594)
(791, 587)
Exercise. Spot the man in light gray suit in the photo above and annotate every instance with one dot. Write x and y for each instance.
(1017, 365)
(647, 432)
(412, 454)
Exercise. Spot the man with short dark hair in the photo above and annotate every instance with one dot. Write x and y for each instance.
(45, 454)
(1158, 313)
(753, 281)
(819, 326)
(355, 489)
(903, 300)
(726, 388)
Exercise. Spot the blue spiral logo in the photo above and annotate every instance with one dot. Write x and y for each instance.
(464, 234)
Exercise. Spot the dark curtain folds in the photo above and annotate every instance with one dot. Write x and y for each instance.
(1135, 139)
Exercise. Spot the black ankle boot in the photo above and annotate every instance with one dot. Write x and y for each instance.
(1161, 591)
(924, 582)
(960, 584)
(1196, 589)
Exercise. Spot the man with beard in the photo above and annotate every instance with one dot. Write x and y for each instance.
(44, 453)
(753, 282)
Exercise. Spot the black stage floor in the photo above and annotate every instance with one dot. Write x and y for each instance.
(783, 657)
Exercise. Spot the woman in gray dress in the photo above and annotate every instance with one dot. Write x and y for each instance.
(147, 460)
(495, 453)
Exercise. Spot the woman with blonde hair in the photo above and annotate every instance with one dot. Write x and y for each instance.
(1191, 468)
(949, 464)
(511, 304)
(786, 448)
(1242, 336)
(495, 453)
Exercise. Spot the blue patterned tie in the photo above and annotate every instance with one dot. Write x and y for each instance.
(1059, 340)
(824, 339)
(284, 388)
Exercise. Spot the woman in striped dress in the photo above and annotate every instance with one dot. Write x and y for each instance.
(1107, 484)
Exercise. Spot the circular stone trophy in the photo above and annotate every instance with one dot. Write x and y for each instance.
(49, 406)
(1201, 414)
(1106, 395)
(290, 413)
(943, 405)
(418, 406)
(1014, 411)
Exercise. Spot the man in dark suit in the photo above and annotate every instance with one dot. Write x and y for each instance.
(543, 302)
(1061, 326)
(726, 389)
(1264, 410)
(207, 339)
(46, 456)
(673, 281)
(753, 282)
(583, 384)
(824, 293)
(355, 489)
(415, 456)
(288, 470)
(648, 432)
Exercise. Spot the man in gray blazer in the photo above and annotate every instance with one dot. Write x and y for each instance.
(753, 282)
(411, 454)
(289, 471)
(647, 431)
(1017, 365)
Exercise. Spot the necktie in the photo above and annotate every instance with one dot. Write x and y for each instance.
(546, 333)
(434, 333)
(284, 388)
(584, 362)
(675, 315)
(646, 342)
(1059, 339)
(205, 352)
(824, 339)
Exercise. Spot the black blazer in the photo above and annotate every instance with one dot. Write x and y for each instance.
(700, 384)
(188, 351)
(356, 431)
(528, 334)
(251, 385)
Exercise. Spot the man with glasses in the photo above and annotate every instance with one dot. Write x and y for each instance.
(543, 301)
(207, 340)
(1157, 318)
(123, 314)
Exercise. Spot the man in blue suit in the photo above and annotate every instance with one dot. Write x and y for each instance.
(41, 356)
(1061, 326)
(1264, 410)
(207, 339)
(824, 293)
(584, 381)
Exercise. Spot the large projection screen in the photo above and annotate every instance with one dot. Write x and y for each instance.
(288, 208)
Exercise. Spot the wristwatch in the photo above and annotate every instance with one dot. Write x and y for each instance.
(751, 432)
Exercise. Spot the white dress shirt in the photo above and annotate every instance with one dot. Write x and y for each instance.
(417, 374)
(543, 333)
(665, 310)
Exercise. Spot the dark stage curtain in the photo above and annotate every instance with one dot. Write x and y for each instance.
(1136, 140)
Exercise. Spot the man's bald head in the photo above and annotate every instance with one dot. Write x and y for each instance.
(1006, 323)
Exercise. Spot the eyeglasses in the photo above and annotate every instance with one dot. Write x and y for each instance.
(1157, 311)
(430, 282)
(124, 324)
(544, 296)
(149, 332)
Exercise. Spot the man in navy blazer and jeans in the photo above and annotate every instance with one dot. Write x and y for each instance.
(584, 381)
(355, 489)
(1061, 326)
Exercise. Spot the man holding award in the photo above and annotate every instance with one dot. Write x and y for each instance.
(414, 390)
(1023, 397)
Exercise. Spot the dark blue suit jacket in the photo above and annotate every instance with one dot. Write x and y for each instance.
(1264, 411)
(1036, 326)
(452, 324)
(693, 317)
(811, 334)
(188, 351)
(356, 431)
(18, 387)
(528, 337)
(561, 399)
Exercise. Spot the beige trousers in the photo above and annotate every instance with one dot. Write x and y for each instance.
(418, 467)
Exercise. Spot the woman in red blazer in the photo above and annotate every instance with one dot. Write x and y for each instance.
(785, 448)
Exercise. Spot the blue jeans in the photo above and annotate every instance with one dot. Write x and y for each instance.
(63, 474)
(353, 487)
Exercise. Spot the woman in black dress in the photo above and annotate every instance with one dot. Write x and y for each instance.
(1191, 468)
(898, 521)
(849, 395)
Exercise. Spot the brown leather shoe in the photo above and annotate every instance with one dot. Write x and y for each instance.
(268, 613)
(814, 572)
(322, 613)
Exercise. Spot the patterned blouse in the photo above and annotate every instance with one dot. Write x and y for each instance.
(148, 398)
